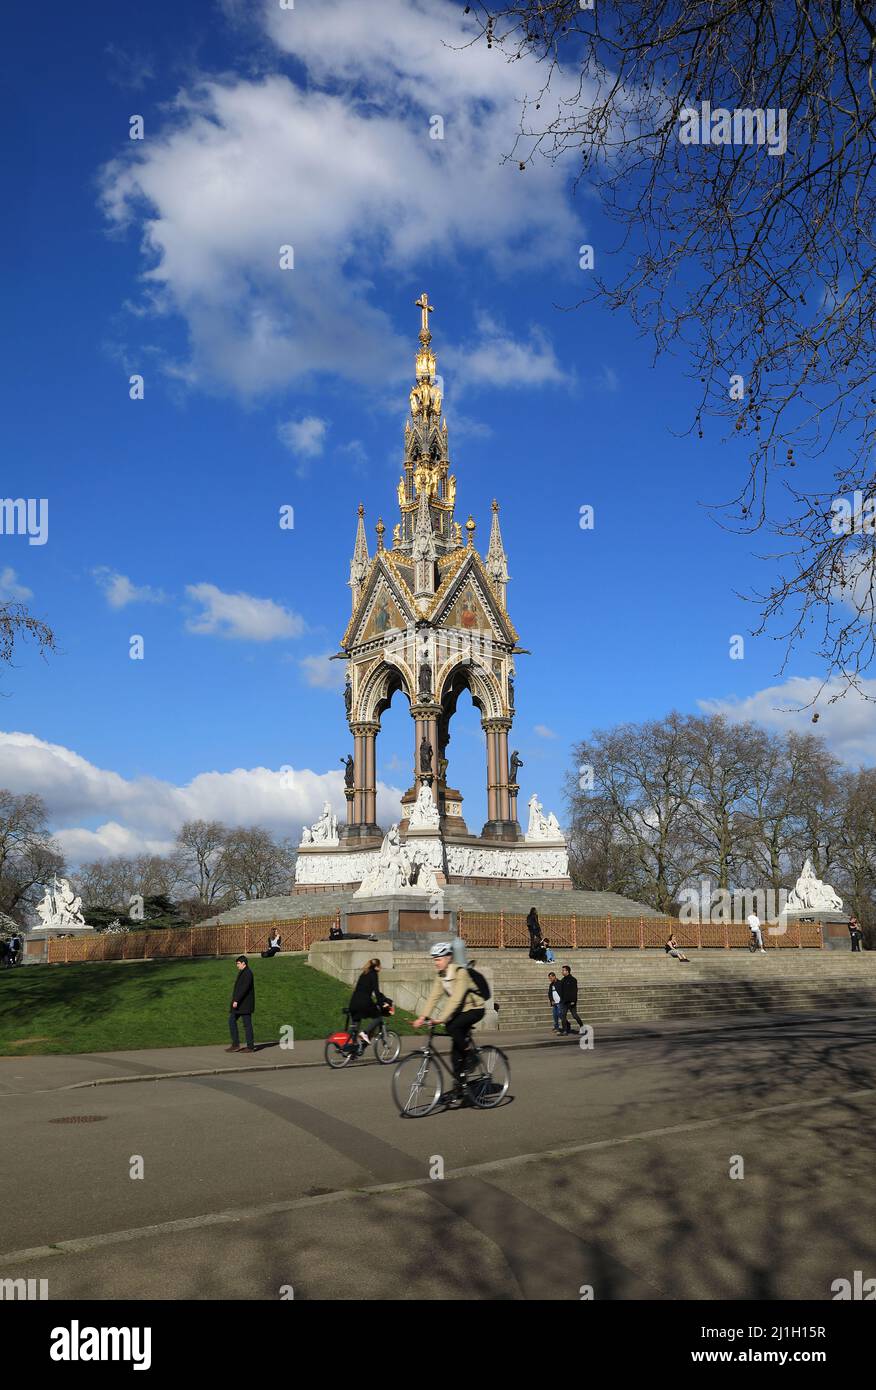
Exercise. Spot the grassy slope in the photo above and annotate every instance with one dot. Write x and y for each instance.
(182, 1003)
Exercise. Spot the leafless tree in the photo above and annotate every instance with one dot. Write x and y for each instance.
(855, 843)
(28, 855)
(200, 857)
(15, 623)
(747, 264)
(664, 805)
(256, 865)
(110, 883)
(644, 774)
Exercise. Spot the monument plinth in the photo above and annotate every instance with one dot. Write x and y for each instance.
(430, 619)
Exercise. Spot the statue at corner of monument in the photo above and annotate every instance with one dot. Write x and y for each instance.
(324, 831)
(349, 770)
(541, 826)
(61, 906)
(812, 894)
(390, 872)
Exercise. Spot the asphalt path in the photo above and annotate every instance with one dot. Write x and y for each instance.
(713, 1163)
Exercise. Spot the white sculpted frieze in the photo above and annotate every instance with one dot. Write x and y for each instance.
(324, 831)
(811, 894)
(541, 826)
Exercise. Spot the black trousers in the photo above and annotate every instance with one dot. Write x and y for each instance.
(459, 1028)
(570, 1008)
(246, 1020)
(856, 943)
(271, 951)
(359, 1020)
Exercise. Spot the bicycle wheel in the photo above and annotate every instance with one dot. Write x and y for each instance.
(387, 1046)
(489, 1081)
(336, 1056)
(416, 1084)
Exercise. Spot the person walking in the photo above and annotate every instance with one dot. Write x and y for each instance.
(855, 933)
(242, 1006)
(756, 933)
(555, 1000)
(273, 944)
(569, 1000)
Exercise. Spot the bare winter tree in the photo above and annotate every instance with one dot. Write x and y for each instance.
(28, 856)
(855, 844)
(109, 883)
(200, 856)
(256, 865)
(657, 807)
(15, 623)
(749, 254)
(643, 774)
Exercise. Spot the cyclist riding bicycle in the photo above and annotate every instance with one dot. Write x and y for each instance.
(367, 1002)
(463, 1006)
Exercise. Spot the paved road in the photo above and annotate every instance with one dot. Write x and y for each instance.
(609, 1168)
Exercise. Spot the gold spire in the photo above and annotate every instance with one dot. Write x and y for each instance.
(425, 396)
(380, 528)
(470, 528)
(423, 304)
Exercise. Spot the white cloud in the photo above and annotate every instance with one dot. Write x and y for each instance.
(848, 727)
(543, 731)
(143, 814)
(343, 169)
(303, 438)
(501, 360)
(241, 616)
(10, 589)
(120, 591)
(321, 671)
(859, 592)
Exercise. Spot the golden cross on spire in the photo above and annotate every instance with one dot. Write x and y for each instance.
(423, 304)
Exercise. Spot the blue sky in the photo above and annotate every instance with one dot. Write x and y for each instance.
(266, 388)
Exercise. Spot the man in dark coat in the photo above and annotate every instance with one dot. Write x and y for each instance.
(242, 1006)
(568, 987)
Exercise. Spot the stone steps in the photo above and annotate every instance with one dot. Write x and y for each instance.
(528, 1008)
(628, 985)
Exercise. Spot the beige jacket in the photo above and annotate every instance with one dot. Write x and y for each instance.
(457, 987)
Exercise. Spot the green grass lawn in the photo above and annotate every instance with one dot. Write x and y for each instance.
(181, 1003)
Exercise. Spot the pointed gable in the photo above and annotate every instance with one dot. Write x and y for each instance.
(466, 601)
(385, 604)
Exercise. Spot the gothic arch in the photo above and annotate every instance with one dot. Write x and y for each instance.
(377, 691)
(473, 674)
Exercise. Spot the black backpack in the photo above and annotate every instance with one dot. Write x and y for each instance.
(479, 982)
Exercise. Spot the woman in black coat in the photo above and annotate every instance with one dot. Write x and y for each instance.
(533, 926)
(366, 1000)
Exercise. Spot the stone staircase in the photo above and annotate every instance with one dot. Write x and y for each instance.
(618, 985)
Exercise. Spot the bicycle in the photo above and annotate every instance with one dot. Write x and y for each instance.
(418, 1080)
(342, 1048)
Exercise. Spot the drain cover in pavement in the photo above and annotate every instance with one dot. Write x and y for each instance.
(77, 1119)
